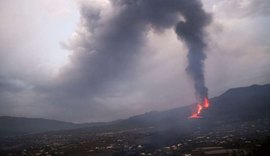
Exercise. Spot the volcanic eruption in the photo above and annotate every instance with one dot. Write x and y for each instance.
(199, 108)
(117, 39)
(191, 31)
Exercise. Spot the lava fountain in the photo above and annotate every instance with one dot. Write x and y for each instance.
(199, 108)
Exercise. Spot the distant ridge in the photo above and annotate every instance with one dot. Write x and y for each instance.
(237, 104)
(11, 126)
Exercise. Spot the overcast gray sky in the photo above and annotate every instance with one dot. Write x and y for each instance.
(84, 60)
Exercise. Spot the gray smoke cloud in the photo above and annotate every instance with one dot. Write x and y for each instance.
(192, 32)
(125, 57)
(115, 43)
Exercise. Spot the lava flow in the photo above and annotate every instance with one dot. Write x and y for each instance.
(200, 107)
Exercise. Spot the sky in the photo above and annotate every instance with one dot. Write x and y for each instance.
(102, 60)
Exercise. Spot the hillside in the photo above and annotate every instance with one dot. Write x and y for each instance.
(19, 126)
(238, 104)
(234, 107)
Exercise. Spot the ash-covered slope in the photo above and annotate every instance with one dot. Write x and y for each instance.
(246, 103)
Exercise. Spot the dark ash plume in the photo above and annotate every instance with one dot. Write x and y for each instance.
(192, 32)
(110, 50)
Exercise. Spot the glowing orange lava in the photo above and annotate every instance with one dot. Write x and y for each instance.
(206, 103)
(200, 107)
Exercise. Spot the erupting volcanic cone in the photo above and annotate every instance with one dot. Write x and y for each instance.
(199, 108)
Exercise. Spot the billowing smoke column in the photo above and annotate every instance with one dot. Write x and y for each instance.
(191, 31)
(163, 14)
(114, 42)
